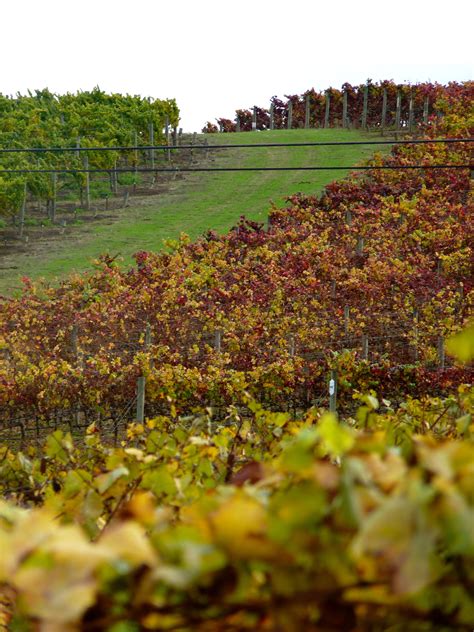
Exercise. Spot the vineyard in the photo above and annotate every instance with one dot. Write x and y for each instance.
(149, 206)
(87, 119)
(383, 106)
(167, 459)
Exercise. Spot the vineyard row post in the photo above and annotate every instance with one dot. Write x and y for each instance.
(167, 136)
(345, 119)
(398, 112)
(332, 387)
(218, 340)
(52, 201)
(328, 107)
(135, 141)
(441, 353)
(365, 107)
(410, 113)
(22, 212)
(383, 120)
(88, 183)
(426, 106)
(141, 380)
(307, 112)
(152, 151)
(365, 346)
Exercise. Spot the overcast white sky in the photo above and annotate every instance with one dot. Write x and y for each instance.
(214, 56)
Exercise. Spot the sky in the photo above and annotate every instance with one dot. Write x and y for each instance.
(215, 56)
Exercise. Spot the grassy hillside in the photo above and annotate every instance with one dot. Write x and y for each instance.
(195, 204)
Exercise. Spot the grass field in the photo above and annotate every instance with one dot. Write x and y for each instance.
(197, 203)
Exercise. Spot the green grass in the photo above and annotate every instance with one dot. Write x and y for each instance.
(200, 202)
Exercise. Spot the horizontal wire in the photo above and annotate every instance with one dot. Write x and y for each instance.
(236, 146)
(223, 169)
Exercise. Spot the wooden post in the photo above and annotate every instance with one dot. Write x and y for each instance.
(365, 107)
(167, 136)
(78, 155)
(22, 212)
(141, 381)
(193, 143)
(88, 183)
(332, 387)
(292, 349)
(218, 340)
(272, 116)
(147, 336)
(347, 311)
(426, 108)
(114, 183)
(151, 135)
(410, 113)
(365, 346)
(398, 113)
(328, 106)
(135, 141)
(54, 187)
(345, 122)
(307, 111)
(254, 119)
(441, 353)
(290, 114)
(383, 121)
(79, 362)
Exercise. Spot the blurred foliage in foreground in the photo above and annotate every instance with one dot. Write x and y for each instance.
(258, 521)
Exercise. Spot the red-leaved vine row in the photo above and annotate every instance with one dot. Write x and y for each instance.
(367, 280)
(428, 101)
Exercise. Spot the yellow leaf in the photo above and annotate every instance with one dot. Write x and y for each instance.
(128, 541)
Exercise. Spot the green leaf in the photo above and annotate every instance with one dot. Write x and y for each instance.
(59, 445)
(159, 481)
(205, 468)
(298, 455)
(336, 439)
(74, 482)
(462, 345)
(463, 423)
(278, 419)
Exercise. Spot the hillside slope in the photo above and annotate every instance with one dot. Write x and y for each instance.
(368, 280)
(194, 204)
